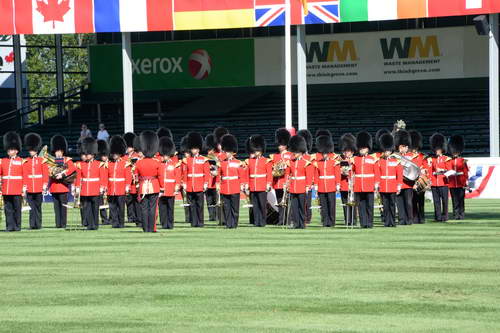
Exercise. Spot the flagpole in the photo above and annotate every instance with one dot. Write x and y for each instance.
(494, 86)
(288, 67)
(128, 90)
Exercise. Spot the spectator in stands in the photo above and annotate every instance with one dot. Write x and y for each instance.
(103, 133)
(85, 133)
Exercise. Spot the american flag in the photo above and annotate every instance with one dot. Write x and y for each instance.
(272, 12)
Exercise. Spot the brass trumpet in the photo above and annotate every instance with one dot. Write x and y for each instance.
(54, 168)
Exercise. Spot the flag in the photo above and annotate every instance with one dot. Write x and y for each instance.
(6, 17)
(213, 14)
(462, 7)
(269, 13)
(317, 11)
(87, 16)
(412, 8)
(379, 10)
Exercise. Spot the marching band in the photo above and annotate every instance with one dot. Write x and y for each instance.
(144, 174)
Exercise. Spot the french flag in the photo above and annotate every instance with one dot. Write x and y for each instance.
(88, 16)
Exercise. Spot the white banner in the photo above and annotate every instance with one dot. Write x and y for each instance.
(484, 178)
(424, 54)
(7, 60)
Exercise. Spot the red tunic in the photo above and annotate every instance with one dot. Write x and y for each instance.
(36, 174)
(327, 174)
(119, 177)
(57, 185)
(195, 173)
(344, 179)
(366, 173)
(147, 172)
(278, 182)
(170, 175)
(391, 175)
(438, 165)
(92, 178)
(299, 175)
(259, 174)
(232, 174)
(459, 180)
(11, 171)
(131, 159)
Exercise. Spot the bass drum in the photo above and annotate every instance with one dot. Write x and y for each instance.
(411, 171)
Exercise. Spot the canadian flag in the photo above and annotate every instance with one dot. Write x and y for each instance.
(462, 7)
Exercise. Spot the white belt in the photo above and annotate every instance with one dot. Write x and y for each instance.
(90, 179)
(12, 177)
(258, 176)
(298, 178)
(195, 175)
(169, 180)
(326, 177)
(230, 178)
(365, 176)
(116, 179)
(388, 177)
(35, 176)
(459, 174)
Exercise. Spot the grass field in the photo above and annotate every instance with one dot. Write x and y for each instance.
(437, 277)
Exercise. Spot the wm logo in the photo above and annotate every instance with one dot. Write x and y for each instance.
(411, 47)
(332, 51)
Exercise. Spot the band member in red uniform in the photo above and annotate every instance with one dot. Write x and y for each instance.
(299, 177)
(219, 132)
(170, 179)
(391, 179)
(379, 151)
(211, 193)
(326, 179)
(260, 178)
(196, 175)
(161, 132)
(309, 141)
(279, 164)
(36, 178)
(438, 166)
(11, 186)
(348, 148)
(231, 181)
(404, 200)
(133, 208)
(419, 160)
(103, 157)
(184, 153)
(119, 180)
(59, 184)
(367, 179)
(147, 171)
(458, 180)
(91, 182)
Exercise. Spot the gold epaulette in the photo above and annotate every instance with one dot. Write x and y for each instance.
(103, 164)
(308, 162)
(78, 165)
(448, 158)
(179, 163)
(271, 157)
(24, 160)
(315, 164)
(312, 157)
(374, 155)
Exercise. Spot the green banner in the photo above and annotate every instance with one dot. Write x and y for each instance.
(175, 65)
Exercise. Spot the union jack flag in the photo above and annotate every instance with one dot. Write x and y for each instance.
(272, 12)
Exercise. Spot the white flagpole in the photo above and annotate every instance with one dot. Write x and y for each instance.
(288, 67)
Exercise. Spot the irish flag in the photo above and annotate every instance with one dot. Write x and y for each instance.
(378, 10)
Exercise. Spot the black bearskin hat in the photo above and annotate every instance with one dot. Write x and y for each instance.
(163, 131)
(257, 143)
(183, 147)
(323, 131)
(12, 140)
(149, 143)
(456, 145)
(167, 146)
(297, 144)
(32, 142)
(379, 133)
(229, 144)
(58, 142)
(210, 142)
(438, 141)
(136, 144)
(129, 139)
(89, 146)
(386, 142)
(348, 142)
(194, 141)
(324, 144)
(308, 137)
(219, 132)
(402, 138)
(416, 140)
(117, 146)
(364, 140)
(102, 149)
(282, 136)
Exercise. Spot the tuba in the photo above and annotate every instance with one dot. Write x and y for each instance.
(279, 168)
(55, 168)
(213, 160)
(411, 171)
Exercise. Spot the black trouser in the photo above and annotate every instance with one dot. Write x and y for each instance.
(365, 208)
(308, 207)
(166, 207)
(231, 209)
(117, 210)
(211, 197)
(458, 202)
(148, 207)
(60, 210)
(297, 209)
(389, 213)
(187, 213)
(350, 214)
(282, 210)
(328, 209)
(103, 212)
(90, 208)
(418, 207)
(133, 209)
(12, 208)
(196, 205)
(440, 198)
(35, 201)
(259, 209)
(404, 201)
(251, 217)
